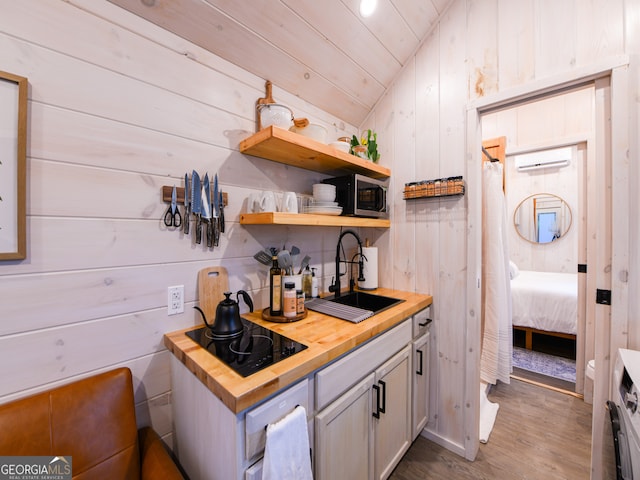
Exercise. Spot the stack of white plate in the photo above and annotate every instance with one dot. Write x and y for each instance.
(323, 200)
(322, 209)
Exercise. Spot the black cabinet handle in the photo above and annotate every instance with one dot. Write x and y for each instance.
(376, 414)
(384, 396)
(426, 322)
(419, 371)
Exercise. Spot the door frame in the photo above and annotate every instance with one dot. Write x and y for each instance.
(615, 143)
(583, 152)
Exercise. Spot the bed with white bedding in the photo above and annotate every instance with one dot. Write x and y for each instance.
(546, 302)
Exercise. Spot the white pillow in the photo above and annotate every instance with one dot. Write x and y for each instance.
(514, 271)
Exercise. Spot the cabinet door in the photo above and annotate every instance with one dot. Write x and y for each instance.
(420, 384)
(392, 430)
(344, 437)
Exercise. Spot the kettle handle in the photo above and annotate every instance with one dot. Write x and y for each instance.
(246, 297)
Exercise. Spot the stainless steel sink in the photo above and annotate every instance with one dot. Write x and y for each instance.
(366, 301)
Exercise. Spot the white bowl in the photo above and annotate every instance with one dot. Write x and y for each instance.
(323, 194)
(275, 114)
(324, 197)
(317, 192)
(342, 146)
(313, 130)
(324, 189)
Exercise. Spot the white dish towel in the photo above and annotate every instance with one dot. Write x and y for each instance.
(286, 452)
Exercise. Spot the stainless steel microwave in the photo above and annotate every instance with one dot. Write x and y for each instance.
(361, 196)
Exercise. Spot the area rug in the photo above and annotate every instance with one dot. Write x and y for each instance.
(545, 364)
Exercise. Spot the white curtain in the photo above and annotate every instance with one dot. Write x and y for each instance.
(495, 357)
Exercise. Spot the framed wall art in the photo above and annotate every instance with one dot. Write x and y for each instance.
(13, 170)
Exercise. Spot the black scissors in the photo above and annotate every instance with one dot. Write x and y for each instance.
(173, 218)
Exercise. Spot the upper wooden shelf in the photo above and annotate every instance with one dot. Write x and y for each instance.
(278, 218)
(283, 146)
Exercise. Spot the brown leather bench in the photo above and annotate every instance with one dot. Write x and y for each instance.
(92, 420)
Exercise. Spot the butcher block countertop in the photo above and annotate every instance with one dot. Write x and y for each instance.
(326, 337)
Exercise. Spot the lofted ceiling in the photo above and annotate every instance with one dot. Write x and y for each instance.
(320, 50)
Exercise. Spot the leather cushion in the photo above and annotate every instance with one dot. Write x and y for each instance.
(92, 420)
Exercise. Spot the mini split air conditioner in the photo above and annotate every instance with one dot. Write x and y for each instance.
(555, 158)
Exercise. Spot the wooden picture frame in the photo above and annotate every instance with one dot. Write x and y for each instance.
(13, 169)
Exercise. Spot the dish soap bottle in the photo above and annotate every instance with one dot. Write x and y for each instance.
(275, 288)
(307, 282)
(314, 284)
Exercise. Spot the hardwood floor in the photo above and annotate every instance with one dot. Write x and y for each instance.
(533, 377)
(538, 434)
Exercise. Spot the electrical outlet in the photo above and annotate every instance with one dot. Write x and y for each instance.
(175, 300)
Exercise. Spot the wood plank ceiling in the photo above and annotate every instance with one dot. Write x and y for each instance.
(321, 50)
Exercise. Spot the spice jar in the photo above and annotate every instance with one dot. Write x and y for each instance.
(299, 302)
(289, 300)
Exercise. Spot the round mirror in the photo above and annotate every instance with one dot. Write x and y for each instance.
(542, 218)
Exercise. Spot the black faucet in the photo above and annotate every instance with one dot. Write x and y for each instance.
(335, 288)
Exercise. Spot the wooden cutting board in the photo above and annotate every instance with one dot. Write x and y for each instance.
(212, 283)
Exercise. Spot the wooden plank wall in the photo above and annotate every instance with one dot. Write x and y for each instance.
(478, 48)
(117, 109)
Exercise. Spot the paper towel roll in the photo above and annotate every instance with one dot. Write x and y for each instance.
(370, 269)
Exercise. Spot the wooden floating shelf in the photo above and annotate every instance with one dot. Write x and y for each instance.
(278, 218)
(167, 190)
(283, 146)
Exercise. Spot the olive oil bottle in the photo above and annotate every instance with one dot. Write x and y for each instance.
(275, 288)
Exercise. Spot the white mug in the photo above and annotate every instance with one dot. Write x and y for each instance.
(290, 202)
(267, 201)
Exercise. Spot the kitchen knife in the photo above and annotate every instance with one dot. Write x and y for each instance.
(196, 203)
(187, 202)
(221, 213)
(216, 212)
(206, 209)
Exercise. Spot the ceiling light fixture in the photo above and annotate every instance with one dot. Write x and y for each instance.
(367, 7)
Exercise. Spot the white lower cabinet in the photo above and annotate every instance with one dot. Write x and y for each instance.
(344, 436)
(366, 431)
(364, 410)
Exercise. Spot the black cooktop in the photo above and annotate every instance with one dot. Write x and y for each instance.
(251, 351)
